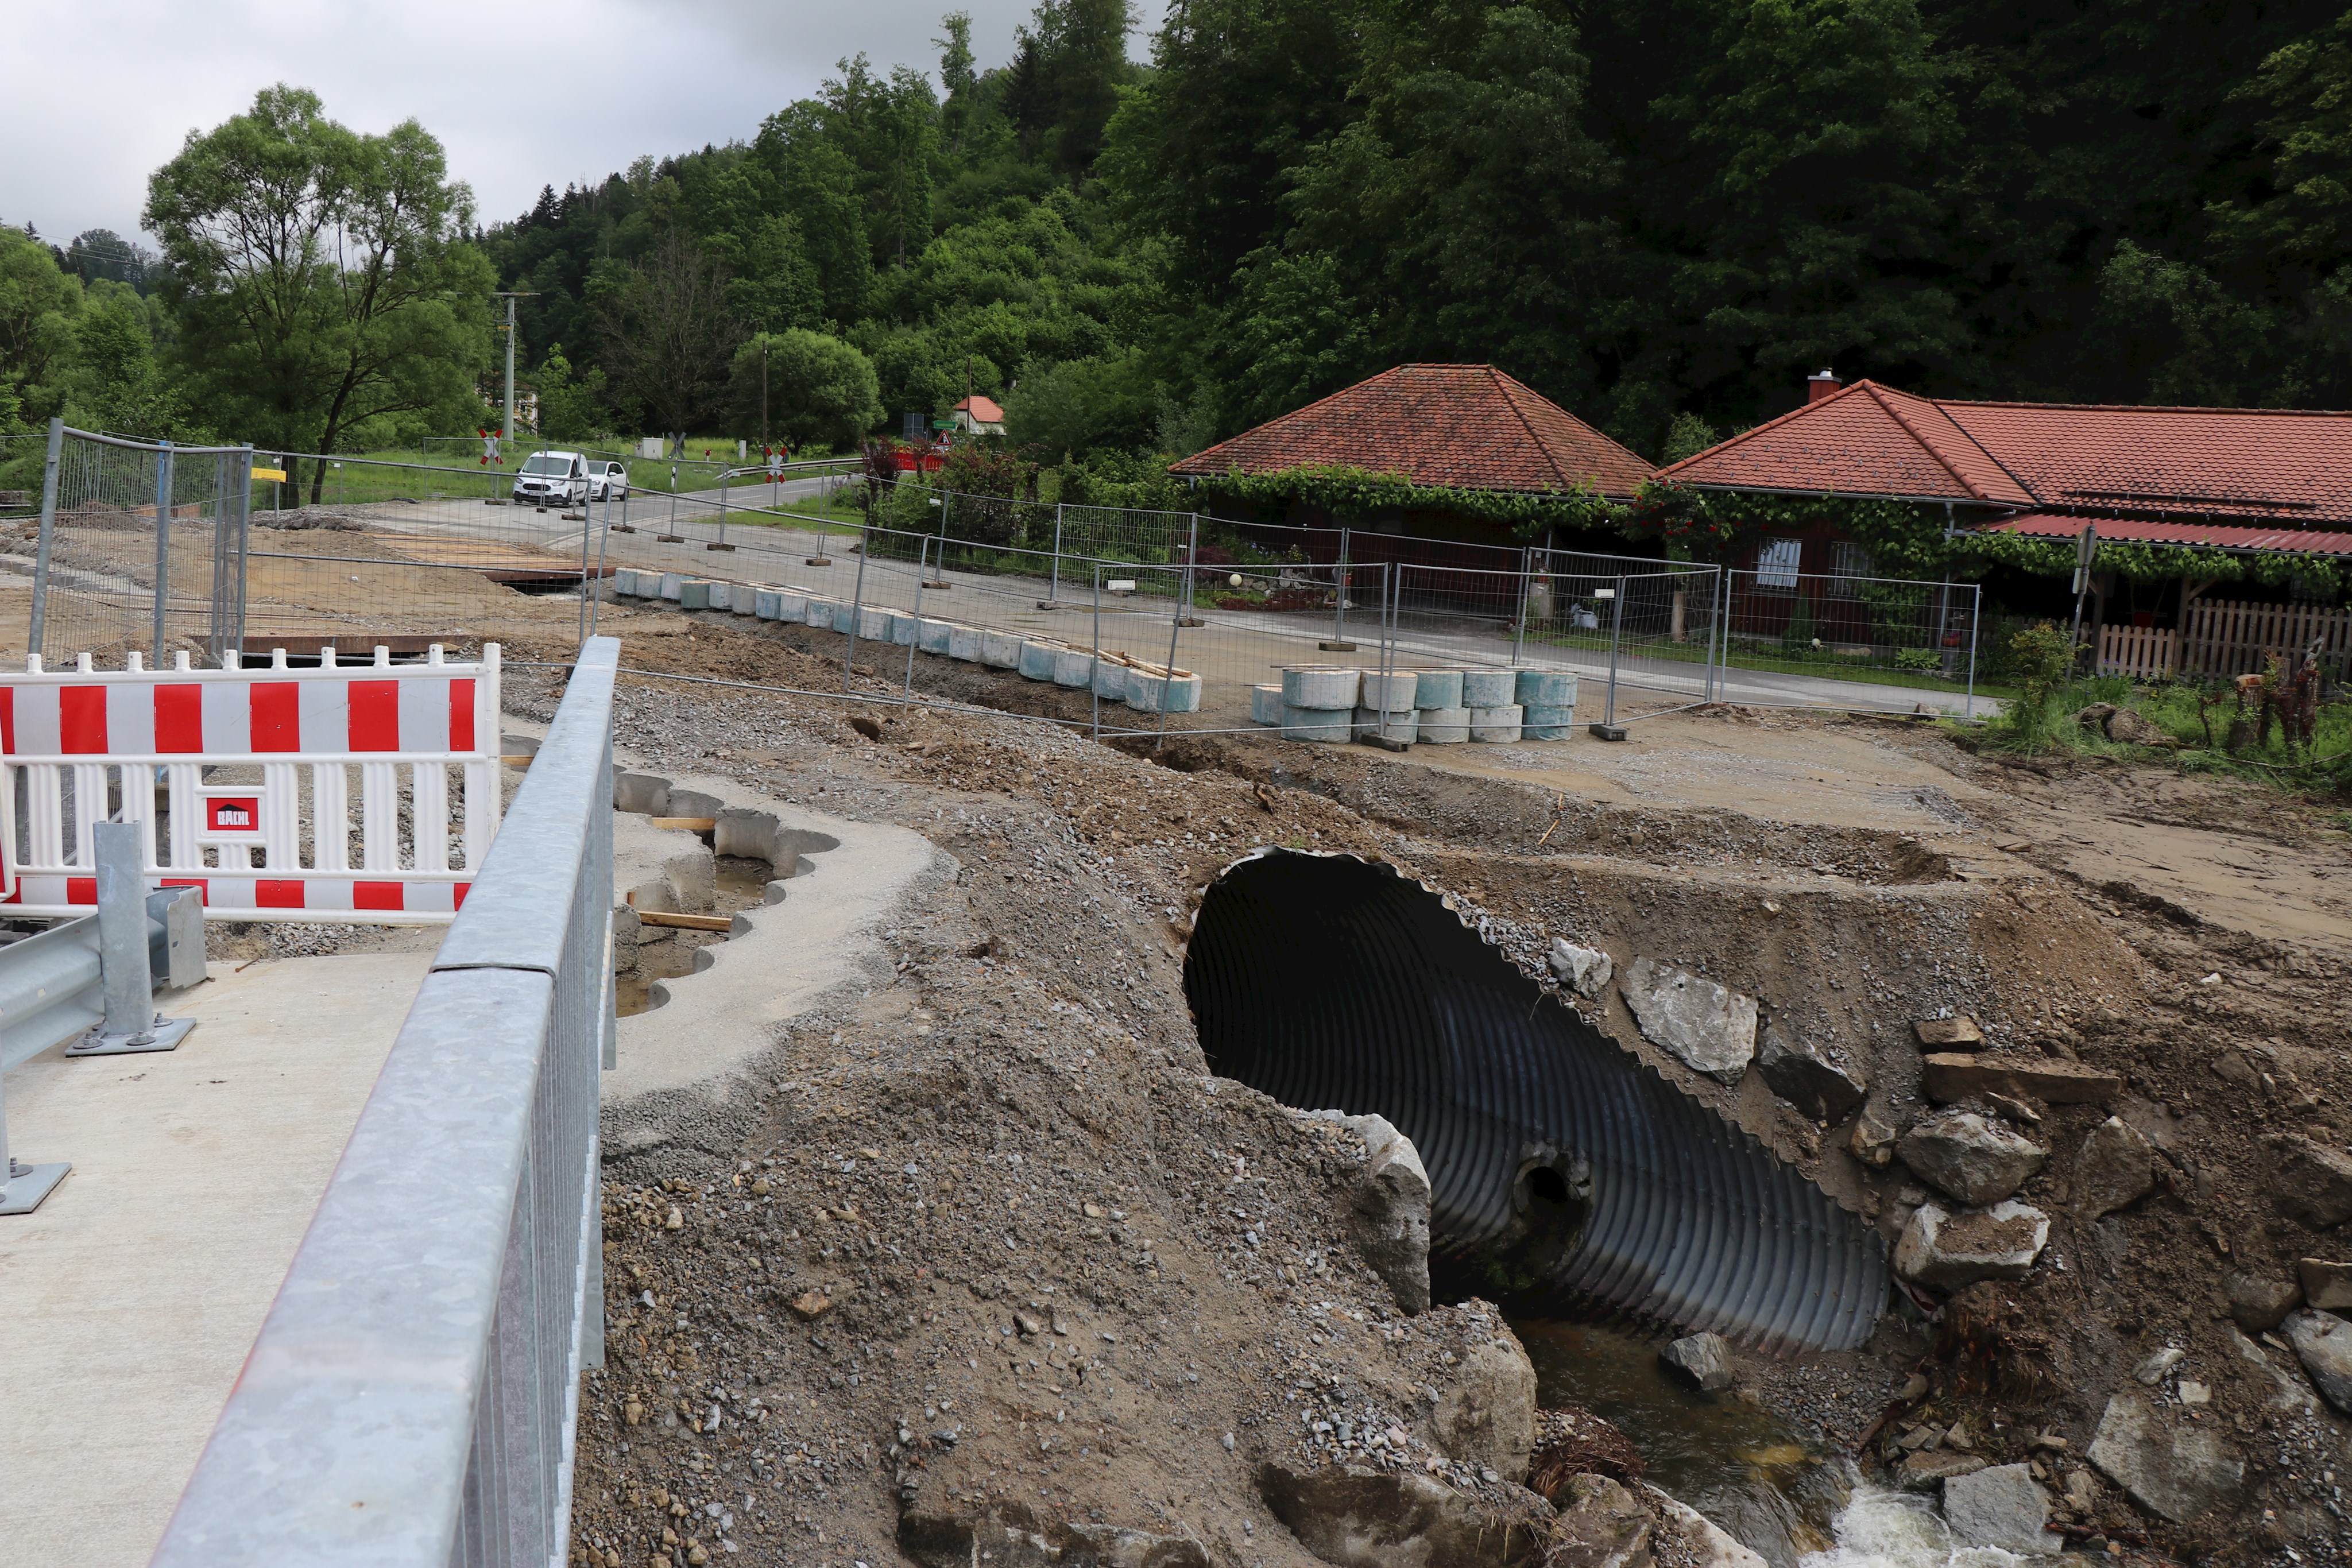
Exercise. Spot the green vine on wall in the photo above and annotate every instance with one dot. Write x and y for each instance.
(1906, 538)
(1355, 493)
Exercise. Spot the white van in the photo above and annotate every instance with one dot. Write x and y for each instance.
(552, 479)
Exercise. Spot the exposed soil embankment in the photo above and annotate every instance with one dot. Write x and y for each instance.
(986, 1249)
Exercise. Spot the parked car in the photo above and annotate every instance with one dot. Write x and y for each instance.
(612, 481)
(552, 479)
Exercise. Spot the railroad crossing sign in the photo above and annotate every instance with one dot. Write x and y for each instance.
(490, 448)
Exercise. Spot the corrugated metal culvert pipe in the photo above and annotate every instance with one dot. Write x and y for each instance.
(1557, 1161)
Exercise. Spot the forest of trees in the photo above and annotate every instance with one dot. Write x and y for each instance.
(1661, 214)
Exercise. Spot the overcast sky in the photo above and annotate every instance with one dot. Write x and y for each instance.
(521, 96)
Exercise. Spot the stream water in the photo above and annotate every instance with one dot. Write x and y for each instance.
(1737, 1464)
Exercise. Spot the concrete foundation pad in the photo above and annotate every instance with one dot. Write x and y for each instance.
(134, 1292)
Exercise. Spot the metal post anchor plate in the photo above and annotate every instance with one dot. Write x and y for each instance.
(166, 1035)
(28, 1185)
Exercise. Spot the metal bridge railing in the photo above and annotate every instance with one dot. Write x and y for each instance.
(412, 1396)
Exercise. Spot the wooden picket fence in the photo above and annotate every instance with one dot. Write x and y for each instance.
(2143, 652)
(2221, 637)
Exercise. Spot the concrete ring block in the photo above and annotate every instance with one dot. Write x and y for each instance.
(1443, 726)
(647, 793)
(1037, 660)
(1437, 689)
(1073, 666)
(743, 598)
(693, 593)
(1489, 688)
(1265, 705)
(1499, 724)
(746, 831)
(691, 803)
(1000, 650)
(902, 629)
(768, 604)
(1545, 688)
(1544, 716)
(1546, 732)
(873, 625)
(1181, 694)
(964, 643)
(625, 582)
(933, 636)
(721, 595)
(792, 604)
(672, 583)
(1393, 725)
(1333, 725)
(1110, 680)
(1394, 692)
(819, 612)
(1321, 688)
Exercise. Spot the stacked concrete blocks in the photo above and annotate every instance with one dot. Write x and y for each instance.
(1318, 703)
(1547, 704)
(1385, 706)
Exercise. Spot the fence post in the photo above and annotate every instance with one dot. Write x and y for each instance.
(1191, 570)
(1053, 592)
(922, 565)
(1339, 583)
(162, 546)
(603, 536)
(1519, 621)
(1975, 607)
(856, 605)
(1607, 730)
(1168, 675)
(48, 534)
(1094, 671)
(1717, 597)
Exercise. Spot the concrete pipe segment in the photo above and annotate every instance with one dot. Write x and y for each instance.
(1547, 722)
(1318, 687)
(693, 593)
(1073, 666)
(1181, 693)
(1393, 693)
(1437, 689)
(1336, 726)
(935, 636)
(1544, 688)
(1443, 725)
(1110, 681)
(1495, 725)
(792, 604)
(1000, 650)
(1326, 981)
(1389, 725)
(671, 584)
(1037, 660)
(964, 643)
(742, 598)
(1265, 705)
(819, 612)
(902, 628)
(874, 625)
(1489, 688)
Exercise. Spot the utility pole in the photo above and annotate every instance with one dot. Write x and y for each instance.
(506, 430)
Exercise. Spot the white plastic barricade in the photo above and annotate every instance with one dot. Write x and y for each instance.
(244, 780)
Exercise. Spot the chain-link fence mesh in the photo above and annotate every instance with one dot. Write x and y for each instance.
(138, 547)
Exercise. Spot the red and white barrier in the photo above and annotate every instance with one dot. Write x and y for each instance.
(244, 780)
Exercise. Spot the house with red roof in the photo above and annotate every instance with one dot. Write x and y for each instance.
(1457, 431)
(977, 415)
(2189, 494)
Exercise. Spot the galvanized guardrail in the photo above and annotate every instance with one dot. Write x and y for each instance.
(411, 1398)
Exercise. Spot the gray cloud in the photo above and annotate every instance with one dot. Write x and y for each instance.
(521, 96)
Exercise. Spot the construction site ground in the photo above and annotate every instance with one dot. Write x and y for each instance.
(981, 1245)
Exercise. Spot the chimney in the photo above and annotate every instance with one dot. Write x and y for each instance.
(1818, 387)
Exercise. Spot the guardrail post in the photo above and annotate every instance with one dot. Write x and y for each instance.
(23, 1186)
(126, 979)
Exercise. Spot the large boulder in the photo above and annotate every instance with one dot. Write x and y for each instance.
(1601, 1525)
(1357, 1517)
(1390, 1219)
(2002, 1506)
(1795, 1070)
(1689, 1536)
(2178, 1471)
(1945, 1251)
(2115, 1168)
(2325, 1283)
(1704, 1359)
(1488, 1416)
(2259, 1302)
(2287, 1393)
(1977, 1160)
(2311, 1181)
(1708, 1027)
(2323, 1343)
(1584, 970)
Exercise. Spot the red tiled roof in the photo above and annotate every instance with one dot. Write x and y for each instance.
(1869, 440)
(1467, 427)
(982, 410)
(2214, 536)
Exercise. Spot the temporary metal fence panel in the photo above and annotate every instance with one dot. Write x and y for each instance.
(1807, 639)
(242, 781)
(412, 1398)
(141, 547)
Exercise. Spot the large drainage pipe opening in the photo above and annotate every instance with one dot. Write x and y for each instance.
(1560, 1164)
